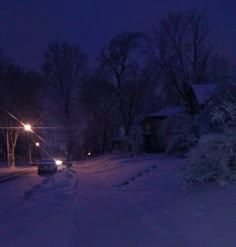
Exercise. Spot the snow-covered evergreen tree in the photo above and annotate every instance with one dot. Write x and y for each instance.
(181, 133)
(224, 111)
(214, 158)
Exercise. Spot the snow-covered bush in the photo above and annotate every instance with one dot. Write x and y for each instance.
(224, 110)
(214, 157)
(182, 133)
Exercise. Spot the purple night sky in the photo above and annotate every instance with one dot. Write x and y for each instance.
(27, 26)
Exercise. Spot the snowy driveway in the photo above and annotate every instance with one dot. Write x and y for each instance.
(116, 201)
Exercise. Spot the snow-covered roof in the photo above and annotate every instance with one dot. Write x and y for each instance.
(167, 111)
(203, 92)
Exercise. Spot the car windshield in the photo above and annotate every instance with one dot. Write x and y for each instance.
(47, 161)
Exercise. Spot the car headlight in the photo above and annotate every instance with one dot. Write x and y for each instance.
(58, 162)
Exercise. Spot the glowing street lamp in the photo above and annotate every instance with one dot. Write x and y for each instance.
(27, 127)
(37, 144)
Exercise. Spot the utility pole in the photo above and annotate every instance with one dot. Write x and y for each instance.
(8, 149)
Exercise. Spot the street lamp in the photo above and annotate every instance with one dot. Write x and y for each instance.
(32, 151)
(27, 127)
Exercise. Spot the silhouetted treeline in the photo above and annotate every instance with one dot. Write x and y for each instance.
(136, 73)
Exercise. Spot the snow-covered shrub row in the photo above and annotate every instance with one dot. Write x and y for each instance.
(214, 157)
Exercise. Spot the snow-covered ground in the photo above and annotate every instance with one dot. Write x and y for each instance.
(116, 201)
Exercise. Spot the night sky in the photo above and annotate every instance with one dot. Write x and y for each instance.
(27, 26)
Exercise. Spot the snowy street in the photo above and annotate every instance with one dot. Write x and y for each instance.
(7, 174)
(117, 123)
(116, 201)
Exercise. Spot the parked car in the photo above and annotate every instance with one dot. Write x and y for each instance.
(48, 166)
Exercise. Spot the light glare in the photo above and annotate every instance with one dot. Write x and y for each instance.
(27, 127)
(58, 162)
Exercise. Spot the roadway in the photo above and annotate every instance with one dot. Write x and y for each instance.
(9, 174)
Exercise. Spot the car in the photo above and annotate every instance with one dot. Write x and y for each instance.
(48, 166)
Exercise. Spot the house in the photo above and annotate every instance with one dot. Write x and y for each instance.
(131, 143)
(120, 145)
(151, 124)
(121, 142)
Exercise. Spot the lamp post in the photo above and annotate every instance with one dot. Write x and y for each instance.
(36, 153)
(32, 151)
(27, 128)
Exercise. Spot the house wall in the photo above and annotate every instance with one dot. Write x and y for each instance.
(152, 139)
(121, 145)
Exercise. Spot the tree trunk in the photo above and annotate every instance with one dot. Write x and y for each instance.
(10, 153)
(11, 145)
(11, 158)
(8, 149)
(104, 141)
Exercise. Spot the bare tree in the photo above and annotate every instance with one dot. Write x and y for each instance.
(220, 68)
(182, 52)
(100, 110)
(19, 103)
(122, 60)
(11, 80)
(64, 66)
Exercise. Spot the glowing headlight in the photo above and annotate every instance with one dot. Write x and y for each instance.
(58, 162)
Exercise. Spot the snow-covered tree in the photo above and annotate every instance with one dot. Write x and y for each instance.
(214, 158)
(180, 132)
(224, 111)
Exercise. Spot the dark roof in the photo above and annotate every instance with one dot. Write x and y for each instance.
(167, 111)
(164, 112)
(204, 92)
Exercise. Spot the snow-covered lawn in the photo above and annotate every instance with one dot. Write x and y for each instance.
(116, 201)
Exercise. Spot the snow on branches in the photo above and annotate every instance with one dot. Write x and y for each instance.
(214, 157)
(224, 112)
(183, 133)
